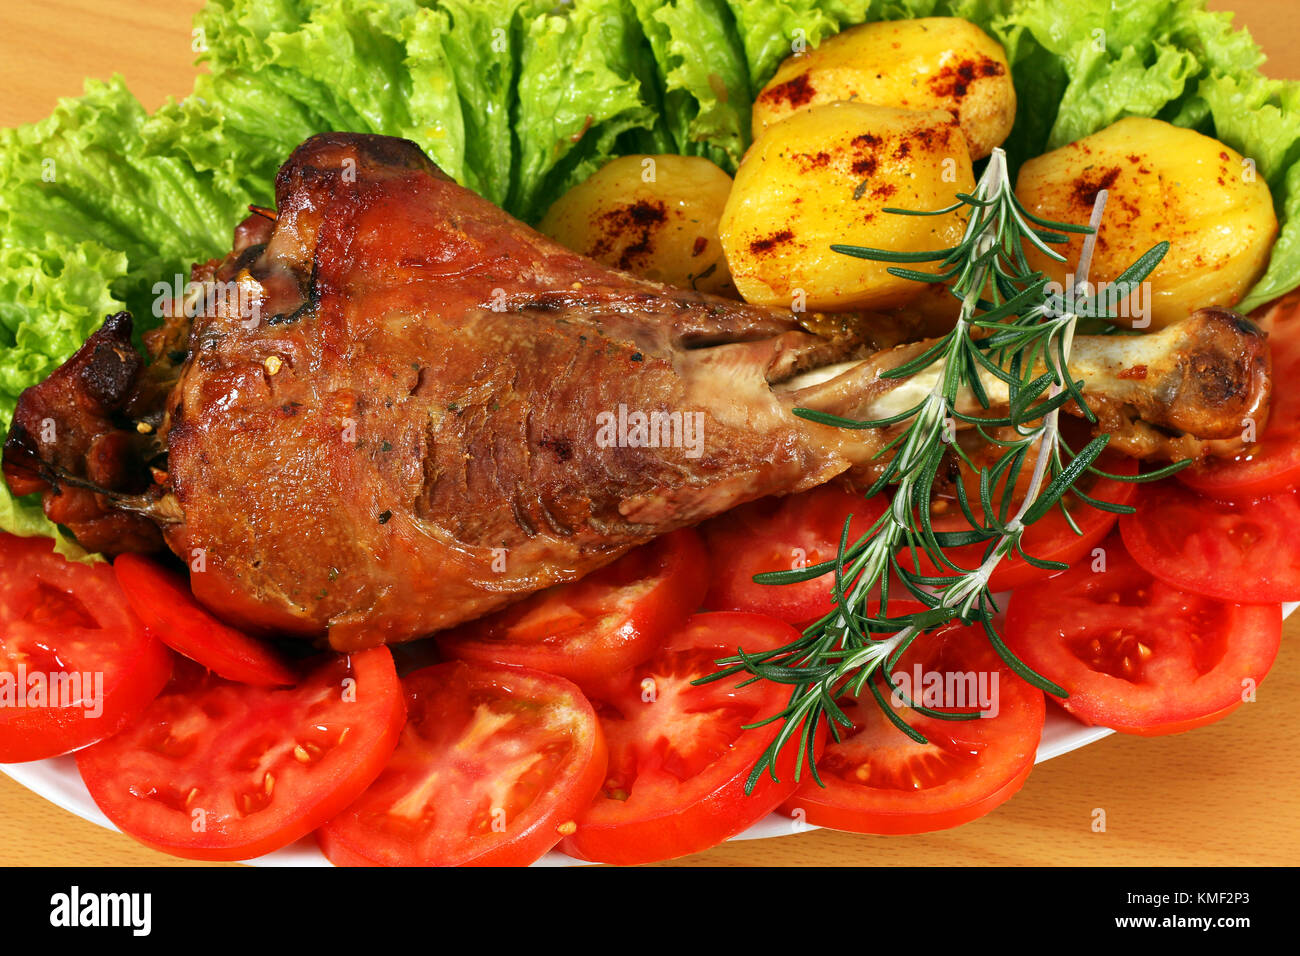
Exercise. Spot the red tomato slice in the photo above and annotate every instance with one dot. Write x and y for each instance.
(1139, 655)
(782, 534)
(163, 601)
(1273, 461)
(493, 767)
(600, 625)
(879, 780)
(75, 664)
(1245, 551)
(215, 770)
(1050, 538)
(678, 756)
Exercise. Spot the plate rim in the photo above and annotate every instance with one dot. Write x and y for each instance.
(56, 779)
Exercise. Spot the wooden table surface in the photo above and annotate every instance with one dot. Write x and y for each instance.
(1227, 794)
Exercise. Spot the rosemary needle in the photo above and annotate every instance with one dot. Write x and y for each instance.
(1011, 334)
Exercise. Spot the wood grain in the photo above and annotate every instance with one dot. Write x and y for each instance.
(1226, 794)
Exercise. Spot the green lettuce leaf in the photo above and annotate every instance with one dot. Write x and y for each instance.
(463, 58)
(51, 299)
(1104, 89)
(705, 80)
(771, 30)
(578, 90)
(1260, 118)
(89, 221)
(83, 174)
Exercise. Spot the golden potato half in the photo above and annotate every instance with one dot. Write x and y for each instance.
(1162, 182)
(824, 176)
(653, 216)
(934, 63)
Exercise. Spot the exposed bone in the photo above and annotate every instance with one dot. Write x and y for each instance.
(1188, 390)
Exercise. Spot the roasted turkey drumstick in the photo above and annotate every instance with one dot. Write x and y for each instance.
(418, 409)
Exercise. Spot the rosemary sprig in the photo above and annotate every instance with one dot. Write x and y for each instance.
(1011, 337)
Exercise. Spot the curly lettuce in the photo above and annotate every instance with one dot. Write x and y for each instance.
(705, 93)
(89, 220)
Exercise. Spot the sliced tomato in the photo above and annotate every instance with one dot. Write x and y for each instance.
(879, 780)
(1137, 654)
(76, 664)
(493, 767)
(1241, 551)
(597, 626)
(1048, 539)
(161, 598)
(783, 534)
(214, 770)
(678, 754)
(1272, 462)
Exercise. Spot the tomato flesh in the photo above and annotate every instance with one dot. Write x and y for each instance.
(214, 770)
(1137, 654)
(493, 766)
(879, 780)
(783, 534)
(75, 663)
(1050, 538)
(1244, 551)
(678, 754)
(163, 601)
(600, 625)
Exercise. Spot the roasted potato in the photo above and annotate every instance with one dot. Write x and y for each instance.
(1162, 182)
(935, 63)
(653, 216)
(823, 176)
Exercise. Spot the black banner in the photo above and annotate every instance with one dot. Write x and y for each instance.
(885, 906)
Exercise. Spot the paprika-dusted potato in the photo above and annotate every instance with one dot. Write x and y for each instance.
(935, 63)
(824, 176)
(653, 216)
(1162, 182)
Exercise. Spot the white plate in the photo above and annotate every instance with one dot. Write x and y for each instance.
(57, 780)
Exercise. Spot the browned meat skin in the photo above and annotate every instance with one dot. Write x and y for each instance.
(66, 438)
(424, 389)
(419, 399)
(87, 435)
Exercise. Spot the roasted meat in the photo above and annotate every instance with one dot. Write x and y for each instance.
(407, 409)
